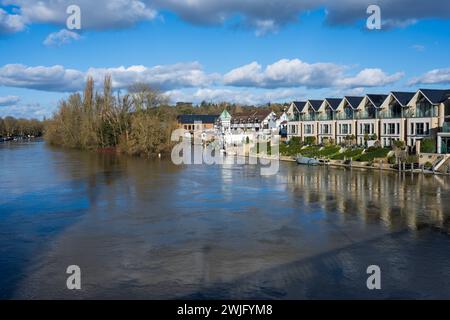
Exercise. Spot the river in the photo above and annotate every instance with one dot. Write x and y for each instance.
(149, 229)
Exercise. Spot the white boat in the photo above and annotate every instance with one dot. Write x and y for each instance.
(307, 161)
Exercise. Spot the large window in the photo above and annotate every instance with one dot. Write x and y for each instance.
(424, 108)
(348, 112)
(329, 114)
(396, 110)
(371, 111)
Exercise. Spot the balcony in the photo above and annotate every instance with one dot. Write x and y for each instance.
(343, 116)
(365, 115)
(308, 117)
(390, 115)
(421, 113)
(325, 117)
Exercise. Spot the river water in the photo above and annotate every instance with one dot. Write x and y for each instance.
(148, 229)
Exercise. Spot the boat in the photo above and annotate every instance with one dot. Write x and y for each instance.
(307, 161)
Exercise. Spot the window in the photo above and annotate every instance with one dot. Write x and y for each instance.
(326, 129)
(420, 129)
(293, 129)
(309, 129)
(345, 129)
(366, 128)
(389, 128)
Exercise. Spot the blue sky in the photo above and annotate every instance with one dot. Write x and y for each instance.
(237, 51)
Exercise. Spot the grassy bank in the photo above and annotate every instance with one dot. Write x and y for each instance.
(332, 152)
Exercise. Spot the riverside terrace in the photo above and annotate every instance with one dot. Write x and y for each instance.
(408, 117)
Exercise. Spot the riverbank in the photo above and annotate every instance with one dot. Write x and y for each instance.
(343, 164)
(18, 138)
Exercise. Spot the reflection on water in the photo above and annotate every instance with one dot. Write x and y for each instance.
(149, 229)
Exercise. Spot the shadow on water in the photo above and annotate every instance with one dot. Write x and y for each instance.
(341, 273)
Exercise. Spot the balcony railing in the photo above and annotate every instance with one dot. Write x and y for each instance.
(344, 116)
(419, 113)
(390, 115)
(308, 117)
(365, 115)
(325, 117)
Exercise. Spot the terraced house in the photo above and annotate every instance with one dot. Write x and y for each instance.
(399, 116)
(392, 115)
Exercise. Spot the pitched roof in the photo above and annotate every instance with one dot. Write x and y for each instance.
(377, 99)
(259, 115)
(403, 97)
(192, 118)
(354, 101)
(333, 103)
(315, 104)
(225, 115)
(299, 105)
(436, 96)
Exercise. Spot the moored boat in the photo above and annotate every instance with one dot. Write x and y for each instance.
(307, 161)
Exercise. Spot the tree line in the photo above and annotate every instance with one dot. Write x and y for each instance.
(13, 127)
(134, 123)
(139, 122)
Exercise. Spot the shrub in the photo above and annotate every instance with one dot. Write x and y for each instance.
(295, 141)
(428, 146)
(310, 140)
(392, 160)
(428, 165)
(399, 144)
(412, 159)
(350, 153)
(373, 153)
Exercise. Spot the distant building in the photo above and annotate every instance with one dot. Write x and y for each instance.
(199, 122)
(264, 121)
(224, 122)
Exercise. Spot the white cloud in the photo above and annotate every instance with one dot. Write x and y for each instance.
(166, 77)
(295, 73)
(264, 16)
(61, 37)
(98, 15)
(58, 79)
(241, 96)
(369, 78)
(281, 74)
(9, 101)
(11, 23)
(54, 78)
(436, 76)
